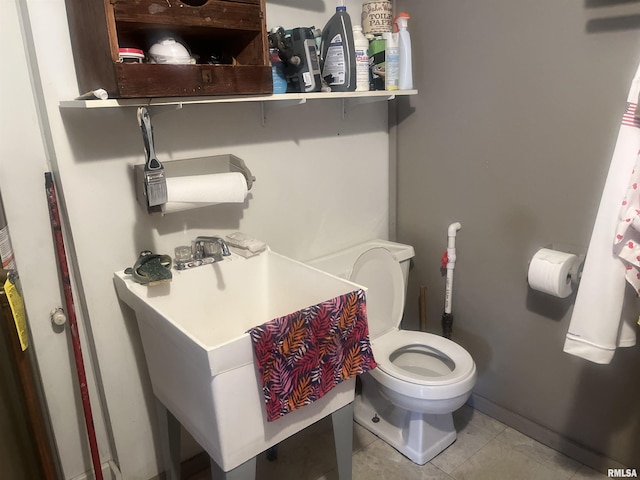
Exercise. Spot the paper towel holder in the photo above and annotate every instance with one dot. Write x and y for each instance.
(188, 167)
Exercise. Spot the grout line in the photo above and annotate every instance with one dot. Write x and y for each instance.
(452, 474)
(439, 469)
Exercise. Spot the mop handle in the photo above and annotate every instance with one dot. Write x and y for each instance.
(56, 227)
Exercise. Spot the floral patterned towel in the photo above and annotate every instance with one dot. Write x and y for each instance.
(627, 241)
(303, 355)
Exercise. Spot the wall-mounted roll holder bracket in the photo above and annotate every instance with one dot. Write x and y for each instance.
(575, 273)
(556, 269)
(190, 167)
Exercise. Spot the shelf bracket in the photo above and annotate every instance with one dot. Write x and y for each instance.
(348, 103)
(155, 110)
(279, 104)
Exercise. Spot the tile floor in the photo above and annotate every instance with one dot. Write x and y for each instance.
(485, 450)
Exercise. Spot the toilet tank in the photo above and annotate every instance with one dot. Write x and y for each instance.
(340, 263)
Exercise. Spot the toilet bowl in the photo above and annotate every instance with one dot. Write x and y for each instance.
(421, 378)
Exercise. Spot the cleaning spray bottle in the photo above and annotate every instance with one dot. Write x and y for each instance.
(392, 61)
(338, 57)
(362, 59)
(405, 81)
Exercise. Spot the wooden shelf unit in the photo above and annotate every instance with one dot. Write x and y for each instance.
(234, 28)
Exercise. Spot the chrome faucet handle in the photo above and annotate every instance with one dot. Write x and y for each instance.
(201, 248)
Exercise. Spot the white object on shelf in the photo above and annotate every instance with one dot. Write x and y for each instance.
(362, 59)
(406, 70)
(392, 61)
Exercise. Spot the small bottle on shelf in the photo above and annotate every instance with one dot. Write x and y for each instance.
(362, 59)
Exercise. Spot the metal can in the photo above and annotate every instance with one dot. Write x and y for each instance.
(131, 55)
(377, 16)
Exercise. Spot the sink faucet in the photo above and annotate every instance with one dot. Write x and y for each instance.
(203, 251)
(206, 247)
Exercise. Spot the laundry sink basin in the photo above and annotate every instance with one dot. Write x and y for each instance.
(200, 358)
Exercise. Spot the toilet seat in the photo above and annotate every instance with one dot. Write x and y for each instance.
(433, 360)
(409, 388)
(379, 271)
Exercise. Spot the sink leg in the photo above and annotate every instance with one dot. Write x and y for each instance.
(169, 429)
(244, 471)
(343, 437)
(272, 453)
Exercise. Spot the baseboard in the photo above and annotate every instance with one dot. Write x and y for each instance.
(110, 471)
(544, 435)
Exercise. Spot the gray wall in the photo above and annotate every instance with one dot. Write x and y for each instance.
(512, 134)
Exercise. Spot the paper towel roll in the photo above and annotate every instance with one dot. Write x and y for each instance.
(196, 191)
(549, 272)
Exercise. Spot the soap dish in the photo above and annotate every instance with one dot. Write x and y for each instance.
(244, 245)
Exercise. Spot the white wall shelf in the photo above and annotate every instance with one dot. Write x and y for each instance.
(285, 98)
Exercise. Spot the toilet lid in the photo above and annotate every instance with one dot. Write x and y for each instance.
(379, 271)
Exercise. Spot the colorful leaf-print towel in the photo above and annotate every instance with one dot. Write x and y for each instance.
(303, 355)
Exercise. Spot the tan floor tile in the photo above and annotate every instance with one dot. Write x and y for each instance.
(539, 452)
(362, 437)
(470, 439)
(468, 416)
(379, 461)
(586, 473)
(484, 450)
(309, 454)
(498, 461)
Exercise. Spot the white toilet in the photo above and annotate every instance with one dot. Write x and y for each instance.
(421, 378)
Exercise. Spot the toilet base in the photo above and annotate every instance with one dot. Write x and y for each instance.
(418, 436)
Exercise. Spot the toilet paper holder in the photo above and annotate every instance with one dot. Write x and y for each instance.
(575, 273)
(554, 278)
(188, 167)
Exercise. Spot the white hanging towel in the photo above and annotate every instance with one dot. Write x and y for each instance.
(602, 320)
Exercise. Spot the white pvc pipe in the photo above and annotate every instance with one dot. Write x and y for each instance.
(451, 263)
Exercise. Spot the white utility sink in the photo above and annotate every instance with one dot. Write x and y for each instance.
(200, 358)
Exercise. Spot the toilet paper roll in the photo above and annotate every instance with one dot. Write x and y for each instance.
(196, 191)
(549, 272)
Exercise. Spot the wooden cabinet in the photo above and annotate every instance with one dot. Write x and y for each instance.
(231, 29)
